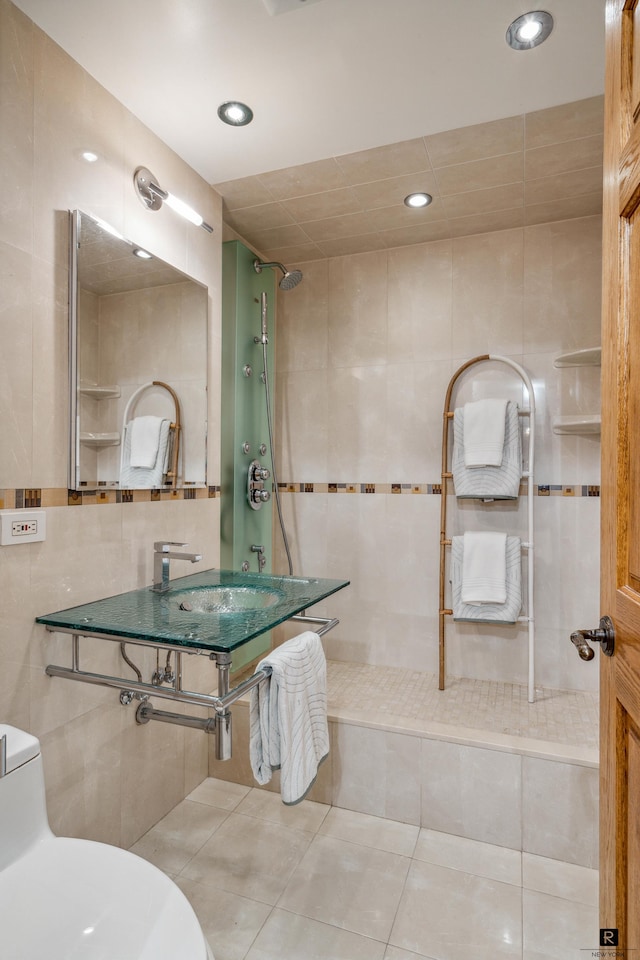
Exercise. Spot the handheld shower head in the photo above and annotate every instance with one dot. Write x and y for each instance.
(290, 279)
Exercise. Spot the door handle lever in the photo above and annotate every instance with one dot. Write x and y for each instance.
(604, 634)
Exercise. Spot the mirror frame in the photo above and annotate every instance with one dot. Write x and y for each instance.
(75, 481)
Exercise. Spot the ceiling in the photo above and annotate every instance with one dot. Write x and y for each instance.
(357, 103)
(324, 77)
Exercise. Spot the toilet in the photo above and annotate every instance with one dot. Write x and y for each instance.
(62, 898)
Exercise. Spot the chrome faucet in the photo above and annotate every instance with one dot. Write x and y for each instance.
(162, 554)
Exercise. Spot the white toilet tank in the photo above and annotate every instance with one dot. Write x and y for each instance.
(23, 808)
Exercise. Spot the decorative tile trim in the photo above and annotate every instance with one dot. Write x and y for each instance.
(540, 490)
(20, 498)
(29, 497)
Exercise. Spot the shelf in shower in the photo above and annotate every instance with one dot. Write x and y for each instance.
(98, 392)
(100, 439)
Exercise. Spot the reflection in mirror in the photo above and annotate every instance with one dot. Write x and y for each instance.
(138, 359)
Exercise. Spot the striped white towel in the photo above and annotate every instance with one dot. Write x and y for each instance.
(507, 612)
(484, 483)
(288, 716)
(484, 433)
(484, 568)
(144, 478)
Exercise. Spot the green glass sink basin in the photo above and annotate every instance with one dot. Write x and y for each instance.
(224, 599)
(213, 610)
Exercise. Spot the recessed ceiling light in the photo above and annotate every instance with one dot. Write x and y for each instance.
(235, 113)
(143, 254)
(89, 156)
(529, 30)
(418, 199)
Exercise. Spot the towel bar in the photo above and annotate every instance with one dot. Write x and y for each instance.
(220, 724)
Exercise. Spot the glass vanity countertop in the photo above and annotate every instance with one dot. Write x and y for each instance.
(216, 610)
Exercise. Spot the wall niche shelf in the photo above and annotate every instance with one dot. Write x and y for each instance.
(98, 392)
(100, 439)
(590, 357)
(587, 426)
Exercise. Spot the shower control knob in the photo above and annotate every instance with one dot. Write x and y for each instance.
(260, 496)
(260, 473)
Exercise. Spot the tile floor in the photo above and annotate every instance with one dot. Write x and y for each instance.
(368, 692)
(315, 882)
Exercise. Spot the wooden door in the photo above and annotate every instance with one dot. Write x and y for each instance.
(620, 536)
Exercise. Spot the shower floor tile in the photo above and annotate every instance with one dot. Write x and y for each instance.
(369, 693)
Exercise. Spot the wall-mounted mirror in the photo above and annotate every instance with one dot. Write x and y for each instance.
(138, 363)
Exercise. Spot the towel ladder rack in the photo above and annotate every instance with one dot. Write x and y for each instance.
(527, 475)
(175, 426)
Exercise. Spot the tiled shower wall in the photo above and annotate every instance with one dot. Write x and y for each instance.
(106, 778)
(366, 346)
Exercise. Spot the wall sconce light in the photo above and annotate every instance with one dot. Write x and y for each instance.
(152, 197)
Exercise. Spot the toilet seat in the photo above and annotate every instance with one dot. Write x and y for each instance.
(70, 899)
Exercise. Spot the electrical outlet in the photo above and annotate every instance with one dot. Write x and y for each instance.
(22, 526)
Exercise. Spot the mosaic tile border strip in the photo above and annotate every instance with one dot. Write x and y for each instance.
(30, 497)
(540, 490)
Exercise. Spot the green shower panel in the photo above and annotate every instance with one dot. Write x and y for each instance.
(245, 429)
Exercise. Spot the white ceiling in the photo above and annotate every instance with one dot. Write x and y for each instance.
(323, 77)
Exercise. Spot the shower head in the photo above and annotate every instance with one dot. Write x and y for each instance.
(290, 279)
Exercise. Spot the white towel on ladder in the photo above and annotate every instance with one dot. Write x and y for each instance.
(507, 612)
(484, 424)
(145, 441)
(484, 568)
(288, 726)
(144, 478)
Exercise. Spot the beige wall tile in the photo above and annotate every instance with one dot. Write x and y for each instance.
(419, 303)
(554, 824)
(358, 310)
(424, 233)
(345, 246)
(16, 115)
(487, 222)
(562, 157)
(584, 118)
(245, 192)
(488, 294)
(480, 174)
(493, 139)
(484, 201)
(586, 205)
(396, 159)
(318, 206)
(305, 179)
(562, 285)
(263, 217)
(563, 185)
(288, 236)
(16, 378)
(385, 193)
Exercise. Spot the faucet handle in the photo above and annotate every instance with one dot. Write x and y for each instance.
(163, 546)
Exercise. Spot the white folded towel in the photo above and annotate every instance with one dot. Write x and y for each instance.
(288, 726)
(507, 612)
(484, 570)
(495, 483)
(144, 478)
(484, 424)
(145, 441)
